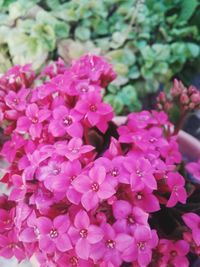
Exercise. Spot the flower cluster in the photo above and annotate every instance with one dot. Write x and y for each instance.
(71, 204)
(186, 98)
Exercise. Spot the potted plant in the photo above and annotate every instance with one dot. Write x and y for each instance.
(85, 191)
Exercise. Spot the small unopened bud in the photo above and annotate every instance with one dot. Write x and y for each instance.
(184, 99)
(191, 105)
(192, 89)
(162, 97)
(195, 98)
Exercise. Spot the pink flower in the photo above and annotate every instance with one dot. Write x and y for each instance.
(176, 184)
(70, 259)
(17, 100)
(6, 220)
(19, 188)
(93, 187)
(92, 108)
(171, 152)
(73, 149)
(53, 234)
(128, 217)
(194, 169)
(192, 220)
(32, 122)
(10, 148)
(141, 174)
(95, 68)
(83, 234)
(141, 249)
(10, 246)
(110, 248)
(146, 200)
(32, 162)
(141, 119)
(54, 174)
(174, 253)
(65, 121)
(73, 170)
(30, 233)
(115, 171)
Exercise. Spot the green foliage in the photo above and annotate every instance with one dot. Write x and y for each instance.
(148, 42)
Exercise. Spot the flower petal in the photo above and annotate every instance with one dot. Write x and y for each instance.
(82, 248)
(63, 243)
(61, 223)
(44, 225)
(89, 200)
(105, 191)
(95, 234)
(46, 244)
(81, 220)
(27, 235)
(82, 183)
(98, 174)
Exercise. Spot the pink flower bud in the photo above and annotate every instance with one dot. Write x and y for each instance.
(184, 99)
(195, 97)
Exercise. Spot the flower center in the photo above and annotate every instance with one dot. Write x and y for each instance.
(34, 120)
(36, 231)
(56, 171)
(95, 187)
(72, 178)
(152, 140)
(110, 243)
(84, 89)
(139, 196)
(83, 233)
(67, 121)
(175, 188)
(139, 173)
(53, 233)
(12, 245)
(130, 219)
(15, 101)
(93, 108)
(115, 172)
(73, 261)
(173, 253)
(141, 245)
(74, 150)
(7, 221)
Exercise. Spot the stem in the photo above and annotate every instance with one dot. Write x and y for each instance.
(180, 123)
(133, 18)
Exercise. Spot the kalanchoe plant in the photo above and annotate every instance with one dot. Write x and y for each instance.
(147, 42)
(84, 192)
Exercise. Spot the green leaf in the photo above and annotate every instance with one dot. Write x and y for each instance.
(20, 8)
(194, 49)
(52, 4)
(115, 102)
(128, 94)
(134, 72)
(188, 7)
(26, 50)
(112, 88)
(46, 35)
(82, 33)
(5, 62)
(62, 29)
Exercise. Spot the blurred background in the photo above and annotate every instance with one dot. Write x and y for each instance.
(148, 42)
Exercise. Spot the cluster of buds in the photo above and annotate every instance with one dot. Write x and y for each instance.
(187, 99)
